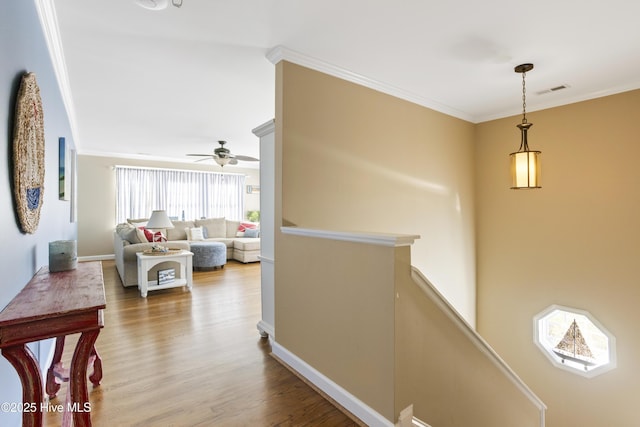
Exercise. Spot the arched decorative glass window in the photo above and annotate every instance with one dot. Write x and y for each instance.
(574, 340)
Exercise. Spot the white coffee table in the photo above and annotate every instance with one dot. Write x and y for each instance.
(147, 262)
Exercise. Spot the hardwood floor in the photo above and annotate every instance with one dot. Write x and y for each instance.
(181, 358)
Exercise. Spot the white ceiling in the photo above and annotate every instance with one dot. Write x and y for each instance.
(156, 84)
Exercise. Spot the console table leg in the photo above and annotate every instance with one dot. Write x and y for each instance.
(53, 386)
(96, 361)
(27, 367)
(79, 396)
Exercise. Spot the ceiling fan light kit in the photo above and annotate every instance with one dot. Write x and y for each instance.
(525, 163)
(222, 161)
(223, 156)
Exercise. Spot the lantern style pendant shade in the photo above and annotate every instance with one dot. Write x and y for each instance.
(525, 163)
(525, 169)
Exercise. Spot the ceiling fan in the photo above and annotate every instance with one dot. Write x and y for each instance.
(223, 156)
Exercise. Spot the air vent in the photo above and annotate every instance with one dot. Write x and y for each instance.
(553, 89)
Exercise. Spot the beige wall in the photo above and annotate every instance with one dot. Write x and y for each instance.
(573, 243)
(335, 310)
(359, 160)
(356, 159)
(449, 379)
(97, 196)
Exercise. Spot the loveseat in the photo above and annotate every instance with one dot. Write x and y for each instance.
(241, 238)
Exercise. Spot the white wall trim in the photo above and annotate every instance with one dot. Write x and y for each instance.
(477, 340)
(380, 239)
(49, 22)
(337, 393)
(265, 128)
(280, 53)
(406, 417)
(96, 258)
(266, 259)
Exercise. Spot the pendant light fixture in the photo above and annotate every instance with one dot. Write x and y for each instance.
(525, 163)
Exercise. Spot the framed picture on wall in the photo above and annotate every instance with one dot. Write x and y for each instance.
(63, 170)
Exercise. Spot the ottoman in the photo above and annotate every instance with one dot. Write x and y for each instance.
(246, 249)
(208, 255)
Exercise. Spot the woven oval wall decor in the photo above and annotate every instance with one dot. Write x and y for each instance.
(28, 154)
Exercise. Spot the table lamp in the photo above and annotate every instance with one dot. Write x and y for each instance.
(159, 220)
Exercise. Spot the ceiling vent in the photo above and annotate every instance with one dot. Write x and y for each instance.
(553, 89)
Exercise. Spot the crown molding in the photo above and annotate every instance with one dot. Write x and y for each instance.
(49, 22)
(264, 128)
(281, 53)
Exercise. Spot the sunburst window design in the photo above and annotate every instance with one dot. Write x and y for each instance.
(574, 340)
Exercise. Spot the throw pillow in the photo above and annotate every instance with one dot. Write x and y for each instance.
(196, 233)
(148, 235)
(141, 236)
(245, 225)
(127, 232)
(131, 235)
(159, 237)
(252, 232)
(123, 228)
(138, 222)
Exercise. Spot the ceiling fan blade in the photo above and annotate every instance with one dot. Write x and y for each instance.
(208, 155)
(246, 158)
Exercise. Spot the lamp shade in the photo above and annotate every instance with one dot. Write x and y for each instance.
(222, 160)
(525, 170)
(159, 219)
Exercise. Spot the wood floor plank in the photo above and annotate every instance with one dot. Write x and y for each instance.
(180, 358)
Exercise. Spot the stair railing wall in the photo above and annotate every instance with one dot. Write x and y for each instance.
(449, 372)
(366, 328)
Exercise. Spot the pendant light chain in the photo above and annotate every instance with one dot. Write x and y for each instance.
(524, 99)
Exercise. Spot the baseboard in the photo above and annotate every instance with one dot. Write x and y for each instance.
(96, 258)
(336, 393)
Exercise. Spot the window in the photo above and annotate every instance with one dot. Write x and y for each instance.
(188, 194)
(574, 340)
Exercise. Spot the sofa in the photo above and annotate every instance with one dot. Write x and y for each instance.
(242, 240)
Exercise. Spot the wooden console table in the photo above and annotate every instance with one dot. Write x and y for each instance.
(53, 305)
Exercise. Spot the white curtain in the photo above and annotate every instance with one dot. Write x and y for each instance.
(193, 194)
